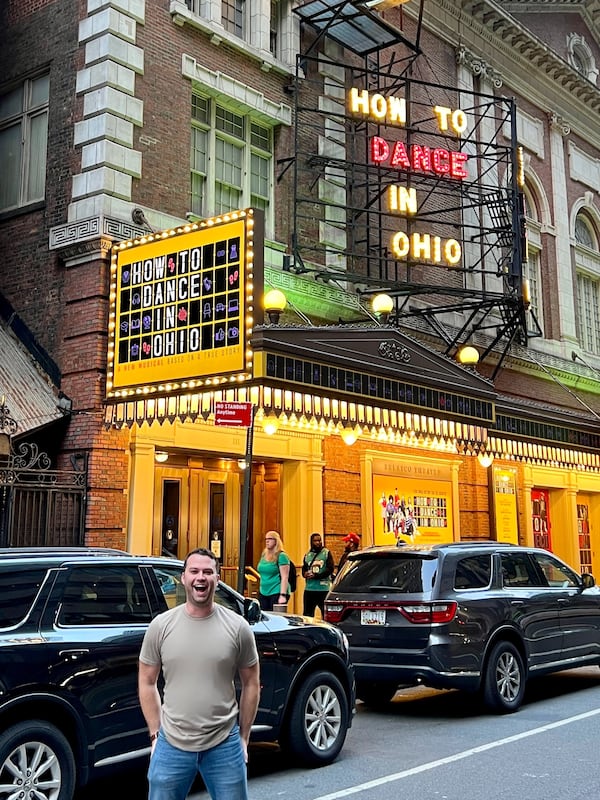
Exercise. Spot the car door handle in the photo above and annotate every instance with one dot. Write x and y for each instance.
(72, 655)
(562, 601)
(517, 602)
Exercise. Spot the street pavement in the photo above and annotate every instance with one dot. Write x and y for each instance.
(436, 745)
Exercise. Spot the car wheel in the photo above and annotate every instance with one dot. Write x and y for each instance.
(504, 680)
(318, 720)
(36, 761)
(376, 694)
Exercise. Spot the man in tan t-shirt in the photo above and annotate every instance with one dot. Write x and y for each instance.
(200, 647)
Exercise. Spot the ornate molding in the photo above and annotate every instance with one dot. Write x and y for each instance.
(95, 232)
(557, 123)
(478, 67)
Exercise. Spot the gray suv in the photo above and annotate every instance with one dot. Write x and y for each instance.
(474, 616)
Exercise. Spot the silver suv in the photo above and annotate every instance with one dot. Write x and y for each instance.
(475, 616)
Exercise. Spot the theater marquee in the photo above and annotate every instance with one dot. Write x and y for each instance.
(181, 306)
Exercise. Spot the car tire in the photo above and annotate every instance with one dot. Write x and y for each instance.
(318, 720)
(376, 694)
(504, 679)
(37, 754)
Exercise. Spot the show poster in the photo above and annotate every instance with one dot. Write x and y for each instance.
(540, 518)
(411, 510)
(505, 504)
(178, 306)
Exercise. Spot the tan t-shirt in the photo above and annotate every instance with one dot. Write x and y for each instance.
(200, 658)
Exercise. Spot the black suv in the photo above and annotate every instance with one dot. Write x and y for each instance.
(475, 616)
(71, 627)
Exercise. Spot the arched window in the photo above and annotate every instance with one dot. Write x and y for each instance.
(587, 259)
(584, 232)
(581, 57)
(532, 264)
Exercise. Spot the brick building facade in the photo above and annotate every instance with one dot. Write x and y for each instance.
(122, 118)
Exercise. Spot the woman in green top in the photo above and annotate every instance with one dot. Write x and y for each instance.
(274, 569)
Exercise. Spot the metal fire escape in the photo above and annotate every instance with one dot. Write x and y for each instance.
(483, 299)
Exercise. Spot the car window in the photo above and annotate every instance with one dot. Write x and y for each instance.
(18, 590)
(473, 572)
(101, 595)
(518, 570)
(406, 575)
(169, 579)
(556, 573)
(174, 591)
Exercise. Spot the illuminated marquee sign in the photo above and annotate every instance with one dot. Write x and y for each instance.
(181, 307)
(414, 159)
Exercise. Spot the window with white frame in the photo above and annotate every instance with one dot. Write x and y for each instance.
(531, 273)
(269, 27)
(532, 263)
(231, 160)
(588, 306)
(23, 142)
(233, 16)
(581, 57)
(587, 259)
(584, 232)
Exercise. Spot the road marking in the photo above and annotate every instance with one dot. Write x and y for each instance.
(396, 776)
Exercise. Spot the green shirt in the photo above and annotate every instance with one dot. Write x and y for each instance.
(270, 578)
(319, 579)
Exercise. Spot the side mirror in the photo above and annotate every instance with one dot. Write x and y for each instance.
(587, 580)
(252, 612)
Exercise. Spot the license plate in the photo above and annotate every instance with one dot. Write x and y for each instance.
(368, 617)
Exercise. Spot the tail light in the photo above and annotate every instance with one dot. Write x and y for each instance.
(428, 613)
(416, 613)
(334, 612)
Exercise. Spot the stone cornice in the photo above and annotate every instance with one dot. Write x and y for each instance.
(91, 236)
(485, 27)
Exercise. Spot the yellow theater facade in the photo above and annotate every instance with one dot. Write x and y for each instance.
(345, 417)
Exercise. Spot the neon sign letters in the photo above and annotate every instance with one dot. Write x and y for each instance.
(414, 159)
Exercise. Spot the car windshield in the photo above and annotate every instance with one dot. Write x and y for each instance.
(406, 575)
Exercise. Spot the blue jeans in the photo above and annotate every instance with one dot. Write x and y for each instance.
(172, 771)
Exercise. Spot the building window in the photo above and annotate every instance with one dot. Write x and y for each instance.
(23, 141)
(581, 57)
(587, 259)
(231, 160)
(232, 16)
(531, 273)
(269, 26)
(588, 303)
(532, 264)
(584, 233)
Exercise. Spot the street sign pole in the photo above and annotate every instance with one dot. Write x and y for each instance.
(245, 510)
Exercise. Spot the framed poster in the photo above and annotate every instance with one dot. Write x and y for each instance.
(504, 501)
(411, 510)
(540, 518)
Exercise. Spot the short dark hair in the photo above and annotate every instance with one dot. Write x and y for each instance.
(202, 551)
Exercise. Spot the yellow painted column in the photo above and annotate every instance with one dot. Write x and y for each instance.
(527, 527)
(302, 512)
(141, 498)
